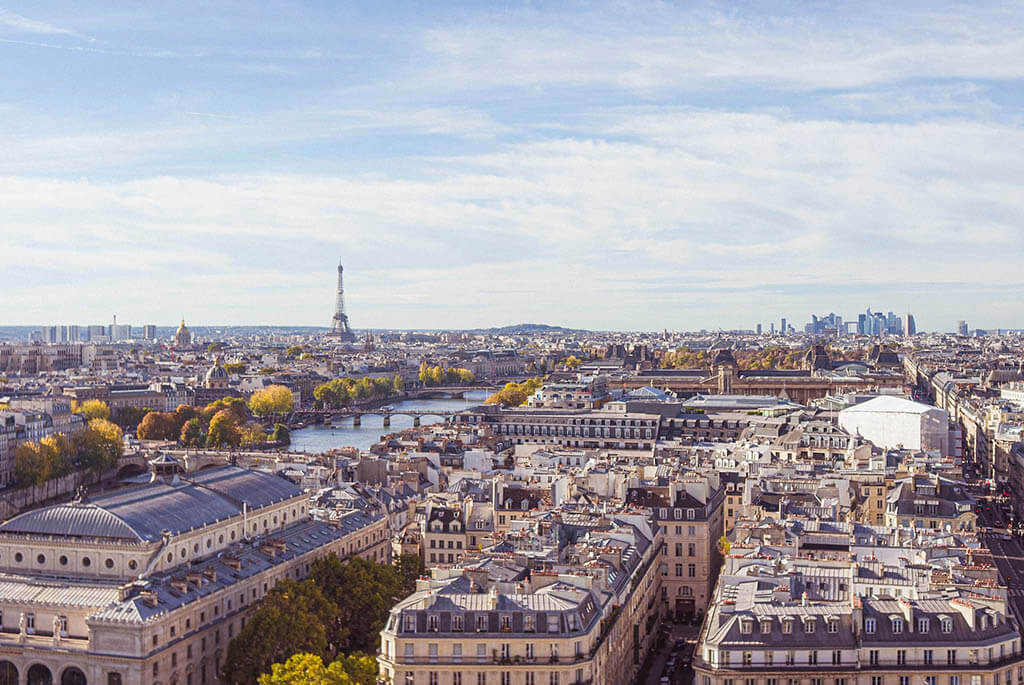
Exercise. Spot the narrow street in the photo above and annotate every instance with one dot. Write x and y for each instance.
(1008, 555)
(681, 673)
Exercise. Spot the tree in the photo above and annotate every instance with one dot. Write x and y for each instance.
(303, 669)
(223, 430)
(724, 545)
(360, 669)
(252, 434)
(91, 409)
(216, 347)
(294, 351)
(309, 669)
(235, 367)
(364, 593)
(281, 434)
(409, 567)
(572, 362)
(191, 434)
(515, 394)
(34, 464)
(276, 399)
(158, 425)
(130, 417)
(398, 385)
(291, 619)
(234, 405)
(99, 447)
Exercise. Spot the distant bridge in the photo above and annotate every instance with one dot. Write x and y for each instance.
(329, 415)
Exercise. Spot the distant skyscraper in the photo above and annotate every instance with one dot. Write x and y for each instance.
(74, 334)
(149, 332)
(783, 329)
(961, 327)
(771, 329)
(339, 322)
(909, 325)
(759, 329)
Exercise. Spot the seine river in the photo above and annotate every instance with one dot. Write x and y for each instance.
(343, 434)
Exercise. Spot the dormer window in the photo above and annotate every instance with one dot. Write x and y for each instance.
(746, 626)
(481, 623)
(787, 626)
(833, 625)
(432, 623)
(870, 625)
(923, 625)
(897, 625)
(766, 626)
(457, 623)
(529, 622)
(947, 625)
(506, 623)
(410, 623)
(809, 625)
(690, 514)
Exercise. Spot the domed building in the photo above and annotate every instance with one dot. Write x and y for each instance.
(183, 336)
(216, 377)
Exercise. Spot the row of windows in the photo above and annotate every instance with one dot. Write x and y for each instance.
(927, 657)
(504, 621)
(1005, 678)
(483, 655)
(503, 678)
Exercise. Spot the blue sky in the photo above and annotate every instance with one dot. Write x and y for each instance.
(601, 165)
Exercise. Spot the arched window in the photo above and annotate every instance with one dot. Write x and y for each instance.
(39, 675)
(8, 673)
(72, 675)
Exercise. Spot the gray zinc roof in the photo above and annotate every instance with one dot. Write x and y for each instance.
(141, 514)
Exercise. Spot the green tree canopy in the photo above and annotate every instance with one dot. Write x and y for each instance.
(191, 434)
(291, 619)
(224, 430)
(309, 669)
(281, 434)
(91, 409)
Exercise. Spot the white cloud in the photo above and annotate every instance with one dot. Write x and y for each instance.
(693, 201)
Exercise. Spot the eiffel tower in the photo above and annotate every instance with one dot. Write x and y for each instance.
(339, 322)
